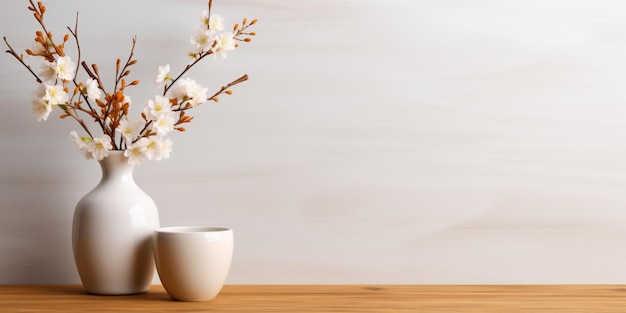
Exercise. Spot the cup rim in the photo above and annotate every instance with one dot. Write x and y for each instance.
(191, 229)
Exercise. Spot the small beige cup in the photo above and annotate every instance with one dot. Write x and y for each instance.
(193, 261)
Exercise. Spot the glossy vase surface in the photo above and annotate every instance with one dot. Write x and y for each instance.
(112, 232)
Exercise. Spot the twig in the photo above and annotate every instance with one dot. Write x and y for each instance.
(129, 62)
(21, 60)
(233, 83)
(187, 68)
(78, 61)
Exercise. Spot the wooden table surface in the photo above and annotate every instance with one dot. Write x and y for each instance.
(328, 298)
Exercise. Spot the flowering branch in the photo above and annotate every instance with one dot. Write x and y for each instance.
(140, 139)
(38, 13)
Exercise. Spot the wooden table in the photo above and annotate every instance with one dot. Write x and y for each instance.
(328, 298)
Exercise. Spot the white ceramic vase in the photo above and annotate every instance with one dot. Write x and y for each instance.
(112, 232)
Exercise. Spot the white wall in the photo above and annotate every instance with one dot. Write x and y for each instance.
(376, 141)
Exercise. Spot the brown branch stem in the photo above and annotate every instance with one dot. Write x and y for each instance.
(19, 58)
(233, 83)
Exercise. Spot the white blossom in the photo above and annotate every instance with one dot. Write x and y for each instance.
(41, 109)
(157, 106)
(62, 68)
(157, 147)
(48, 71)
(216, 22)
(188, 90)
(92, 90)
(225, 42)
(99, 147)
(163, 75)
(136, 152)
(65, 68)
(166, 147)
(202, 40)
(129, 128)
(55, 95)
(204, 19)
(164, 123)
(82, 143)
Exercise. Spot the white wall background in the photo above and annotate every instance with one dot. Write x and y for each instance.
(376, 141)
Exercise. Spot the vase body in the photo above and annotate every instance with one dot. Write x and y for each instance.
(112, 232)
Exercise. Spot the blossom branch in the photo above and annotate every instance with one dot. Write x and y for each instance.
(187, 68)
(140, 139)
(238, 33)
(39, 12)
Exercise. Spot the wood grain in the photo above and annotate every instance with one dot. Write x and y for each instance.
(328, 298)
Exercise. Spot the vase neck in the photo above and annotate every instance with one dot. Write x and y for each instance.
(115, 167)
